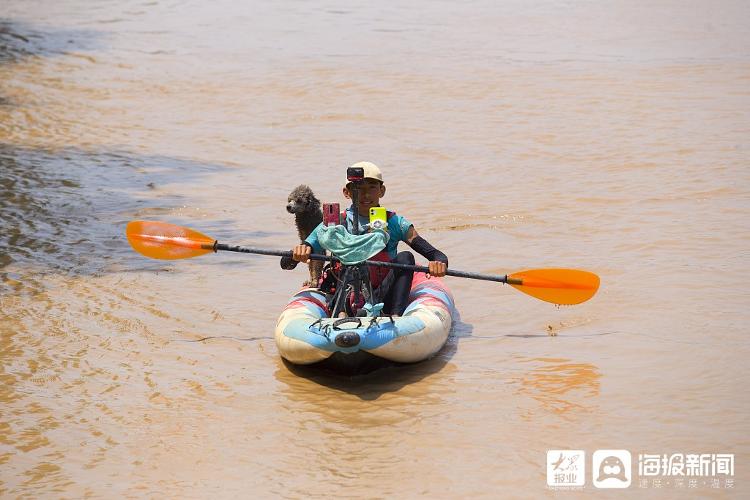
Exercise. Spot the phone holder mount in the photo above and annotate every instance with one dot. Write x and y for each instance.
(353, 276)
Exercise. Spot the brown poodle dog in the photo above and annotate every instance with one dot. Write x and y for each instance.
(307, 215)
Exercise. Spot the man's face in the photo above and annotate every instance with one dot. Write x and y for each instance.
(370, 192)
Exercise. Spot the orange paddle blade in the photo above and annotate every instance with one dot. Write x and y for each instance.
(160, 240)
(559, 286)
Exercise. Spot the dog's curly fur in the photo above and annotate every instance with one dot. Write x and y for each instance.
(307, 215)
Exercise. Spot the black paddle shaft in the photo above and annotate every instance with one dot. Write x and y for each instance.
(423, 269)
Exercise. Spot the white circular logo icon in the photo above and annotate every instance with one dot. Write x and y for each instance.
(611, 468)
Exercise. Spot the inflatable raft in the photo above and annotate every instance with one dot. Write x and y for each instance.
(305, 335)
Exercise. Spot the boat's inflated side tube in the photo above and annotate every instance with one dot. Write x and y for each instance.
(305, 334)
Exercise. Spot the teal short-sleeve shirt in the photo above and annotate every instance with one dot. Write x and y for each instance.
(398, 228)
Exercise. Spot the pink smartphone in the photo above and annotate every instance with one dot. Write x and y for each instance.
(330, 214)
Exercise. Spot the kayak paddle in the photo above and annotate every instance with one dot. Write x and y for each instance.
(161, 240)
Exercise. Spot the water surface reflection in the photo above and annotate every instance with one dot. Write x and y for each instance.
(561, 387)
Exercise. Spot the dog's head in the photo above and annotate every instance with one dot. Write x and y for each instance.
(302, 199)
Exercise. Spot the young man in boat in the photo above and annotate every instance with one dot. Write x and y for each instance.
(393, 285)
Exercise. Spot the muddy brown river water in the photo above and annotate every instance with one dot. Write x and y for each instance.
(607, 136)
